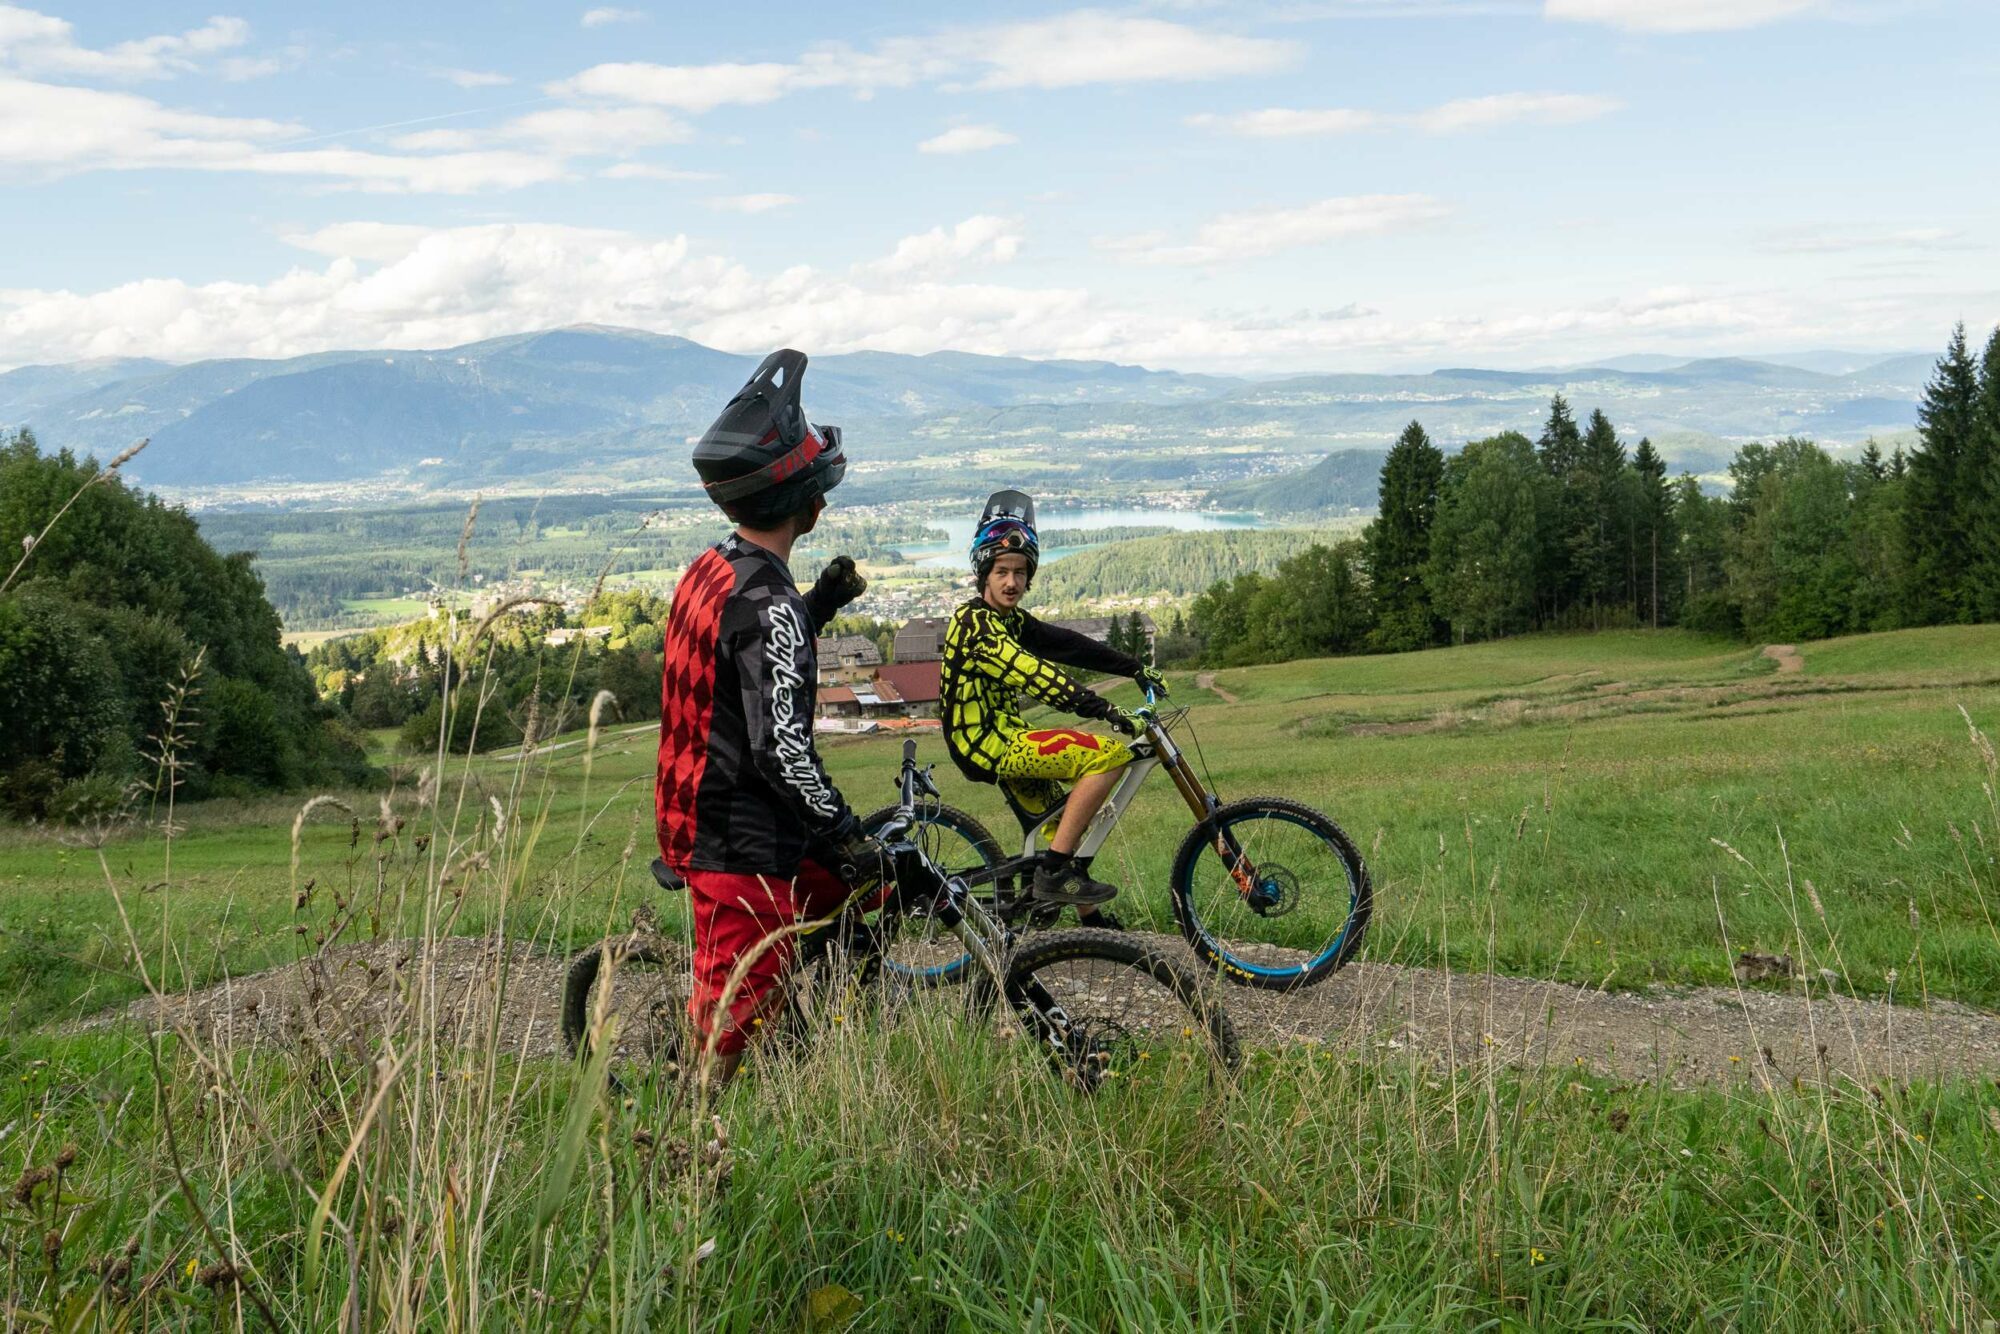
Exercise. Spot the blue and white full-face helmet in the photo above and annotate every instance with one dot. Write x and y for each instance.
(1006, 528)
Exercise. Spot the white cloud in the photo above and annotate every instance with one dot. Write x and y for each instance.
(386, 285)
(1478, 113)
(981, 239)
(647, 171)
(34, 42)
(65, 128)
(1255, 232)
(372, 242)
(472, 78)
(1818, 241)
(758, 203)
(1285, 123)
(588, 131)
(1679, 15)
(967, 139)
(1095, 46)
(682, 87)
(1455, 117)
(599, 17)
(1067, 51)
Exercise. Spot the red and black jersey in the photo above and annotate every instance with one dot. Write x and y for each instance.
(740, 786)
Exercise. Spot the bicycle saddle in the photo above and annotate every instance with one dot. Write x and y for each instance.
(664, 877)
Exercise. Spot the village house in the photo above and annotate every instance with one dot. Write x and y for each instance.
(845, 659)
(920, 640)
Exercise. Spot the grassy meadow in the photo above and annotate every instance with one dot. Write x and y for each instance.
(1624, 809)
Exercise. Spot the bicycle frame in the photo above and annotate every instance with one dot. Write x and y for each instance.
(1156, 751)
(985, 937)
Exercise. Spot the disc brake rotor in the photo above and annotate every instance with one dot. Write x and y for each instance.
(1276, 891)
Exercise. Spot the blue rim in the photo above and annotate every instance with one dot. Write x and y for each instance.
(1332, 951)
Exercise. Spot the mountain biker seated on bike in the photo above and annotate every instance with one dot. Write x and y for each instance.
(993, 652)
(746, 813)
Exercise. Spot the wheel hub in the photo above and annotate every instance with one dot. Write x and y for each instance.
(1276, 891)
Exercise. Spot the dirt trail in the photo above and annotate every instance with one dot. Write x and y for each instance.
(1206, 681)
(1786, 656)
(1685, 1038)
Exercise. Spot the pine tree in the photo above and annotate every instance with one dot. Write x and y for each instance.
(1593, 543)
(1936, 518)
(1398, 544)
(1657, 541)
(1114, 634)
(1559, 580)
(1899, 464)
(1983, 478)
(1871, 461)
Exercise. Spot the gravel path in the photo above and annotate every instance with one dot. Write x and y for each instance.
(1206, 681)
(1685, 1038)
(1786, 656)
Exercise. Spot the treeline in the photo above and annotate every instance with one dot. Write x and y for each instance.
(135, 660)
(504, 686)
(1574, 531)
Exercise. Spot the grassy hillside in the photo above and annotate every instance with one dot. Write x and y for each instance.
(1627, 809)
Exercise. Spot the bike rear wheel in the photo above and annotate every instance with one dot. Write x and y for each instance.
(642, 984)
(922, 952)
(1110, 1010)
(1271, 893)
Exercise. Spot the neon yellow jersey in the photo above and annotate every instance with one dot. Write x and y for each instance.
(991, 659)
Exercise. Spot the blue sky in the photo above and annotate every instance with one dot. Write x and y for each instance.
(1287, 185)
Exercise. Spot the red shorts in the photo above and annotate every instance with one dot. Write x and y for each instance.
(734, 917)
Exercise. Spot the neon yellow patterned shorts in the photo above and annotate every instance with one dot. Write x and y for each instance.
(1034, 763)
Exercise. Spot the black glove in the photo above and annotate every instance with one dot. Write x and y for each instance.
(1149, 678)
(1090, 704)
(1131, 724)
(863, 860)
(839, 583)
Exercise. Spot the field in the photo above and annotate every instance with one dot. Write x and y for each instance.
(1625, 811)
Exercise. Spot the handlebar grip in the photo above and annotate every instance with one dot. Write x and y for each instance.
(909, 750)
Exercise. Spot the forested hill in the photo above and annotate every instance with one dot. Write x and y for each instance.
(1340, 483)
(1178, 565)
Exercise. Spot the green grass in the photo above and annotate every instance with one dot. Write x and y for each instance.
(386, 609)
(1554, 806)
(926, 1180)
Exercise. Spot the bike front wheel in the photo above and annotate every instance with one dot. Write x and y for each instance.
(922, 952)
(1111, 1011)
(1271, 893)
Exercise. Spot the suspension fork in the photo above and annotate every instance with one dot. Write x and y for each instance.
(1203, 804)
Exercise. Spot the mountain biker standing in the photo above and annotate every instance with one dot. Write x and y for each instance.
(993, 652)
(745, 811)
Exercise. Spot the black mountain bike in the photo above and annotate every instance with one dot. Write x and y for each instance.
(1101, 1004)
(1268, 892)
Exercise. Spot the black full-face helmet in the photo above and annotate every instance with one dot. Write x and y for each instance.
(761, 460)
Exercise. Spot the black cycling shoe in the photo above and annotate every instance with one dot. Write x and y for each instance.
(1069, 884)
(1103, 920)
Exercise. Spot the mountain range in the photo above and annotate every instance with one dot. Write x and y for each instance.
(594, 402)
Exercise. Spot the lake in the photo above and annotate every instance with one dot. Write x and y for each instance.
(952, 550)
